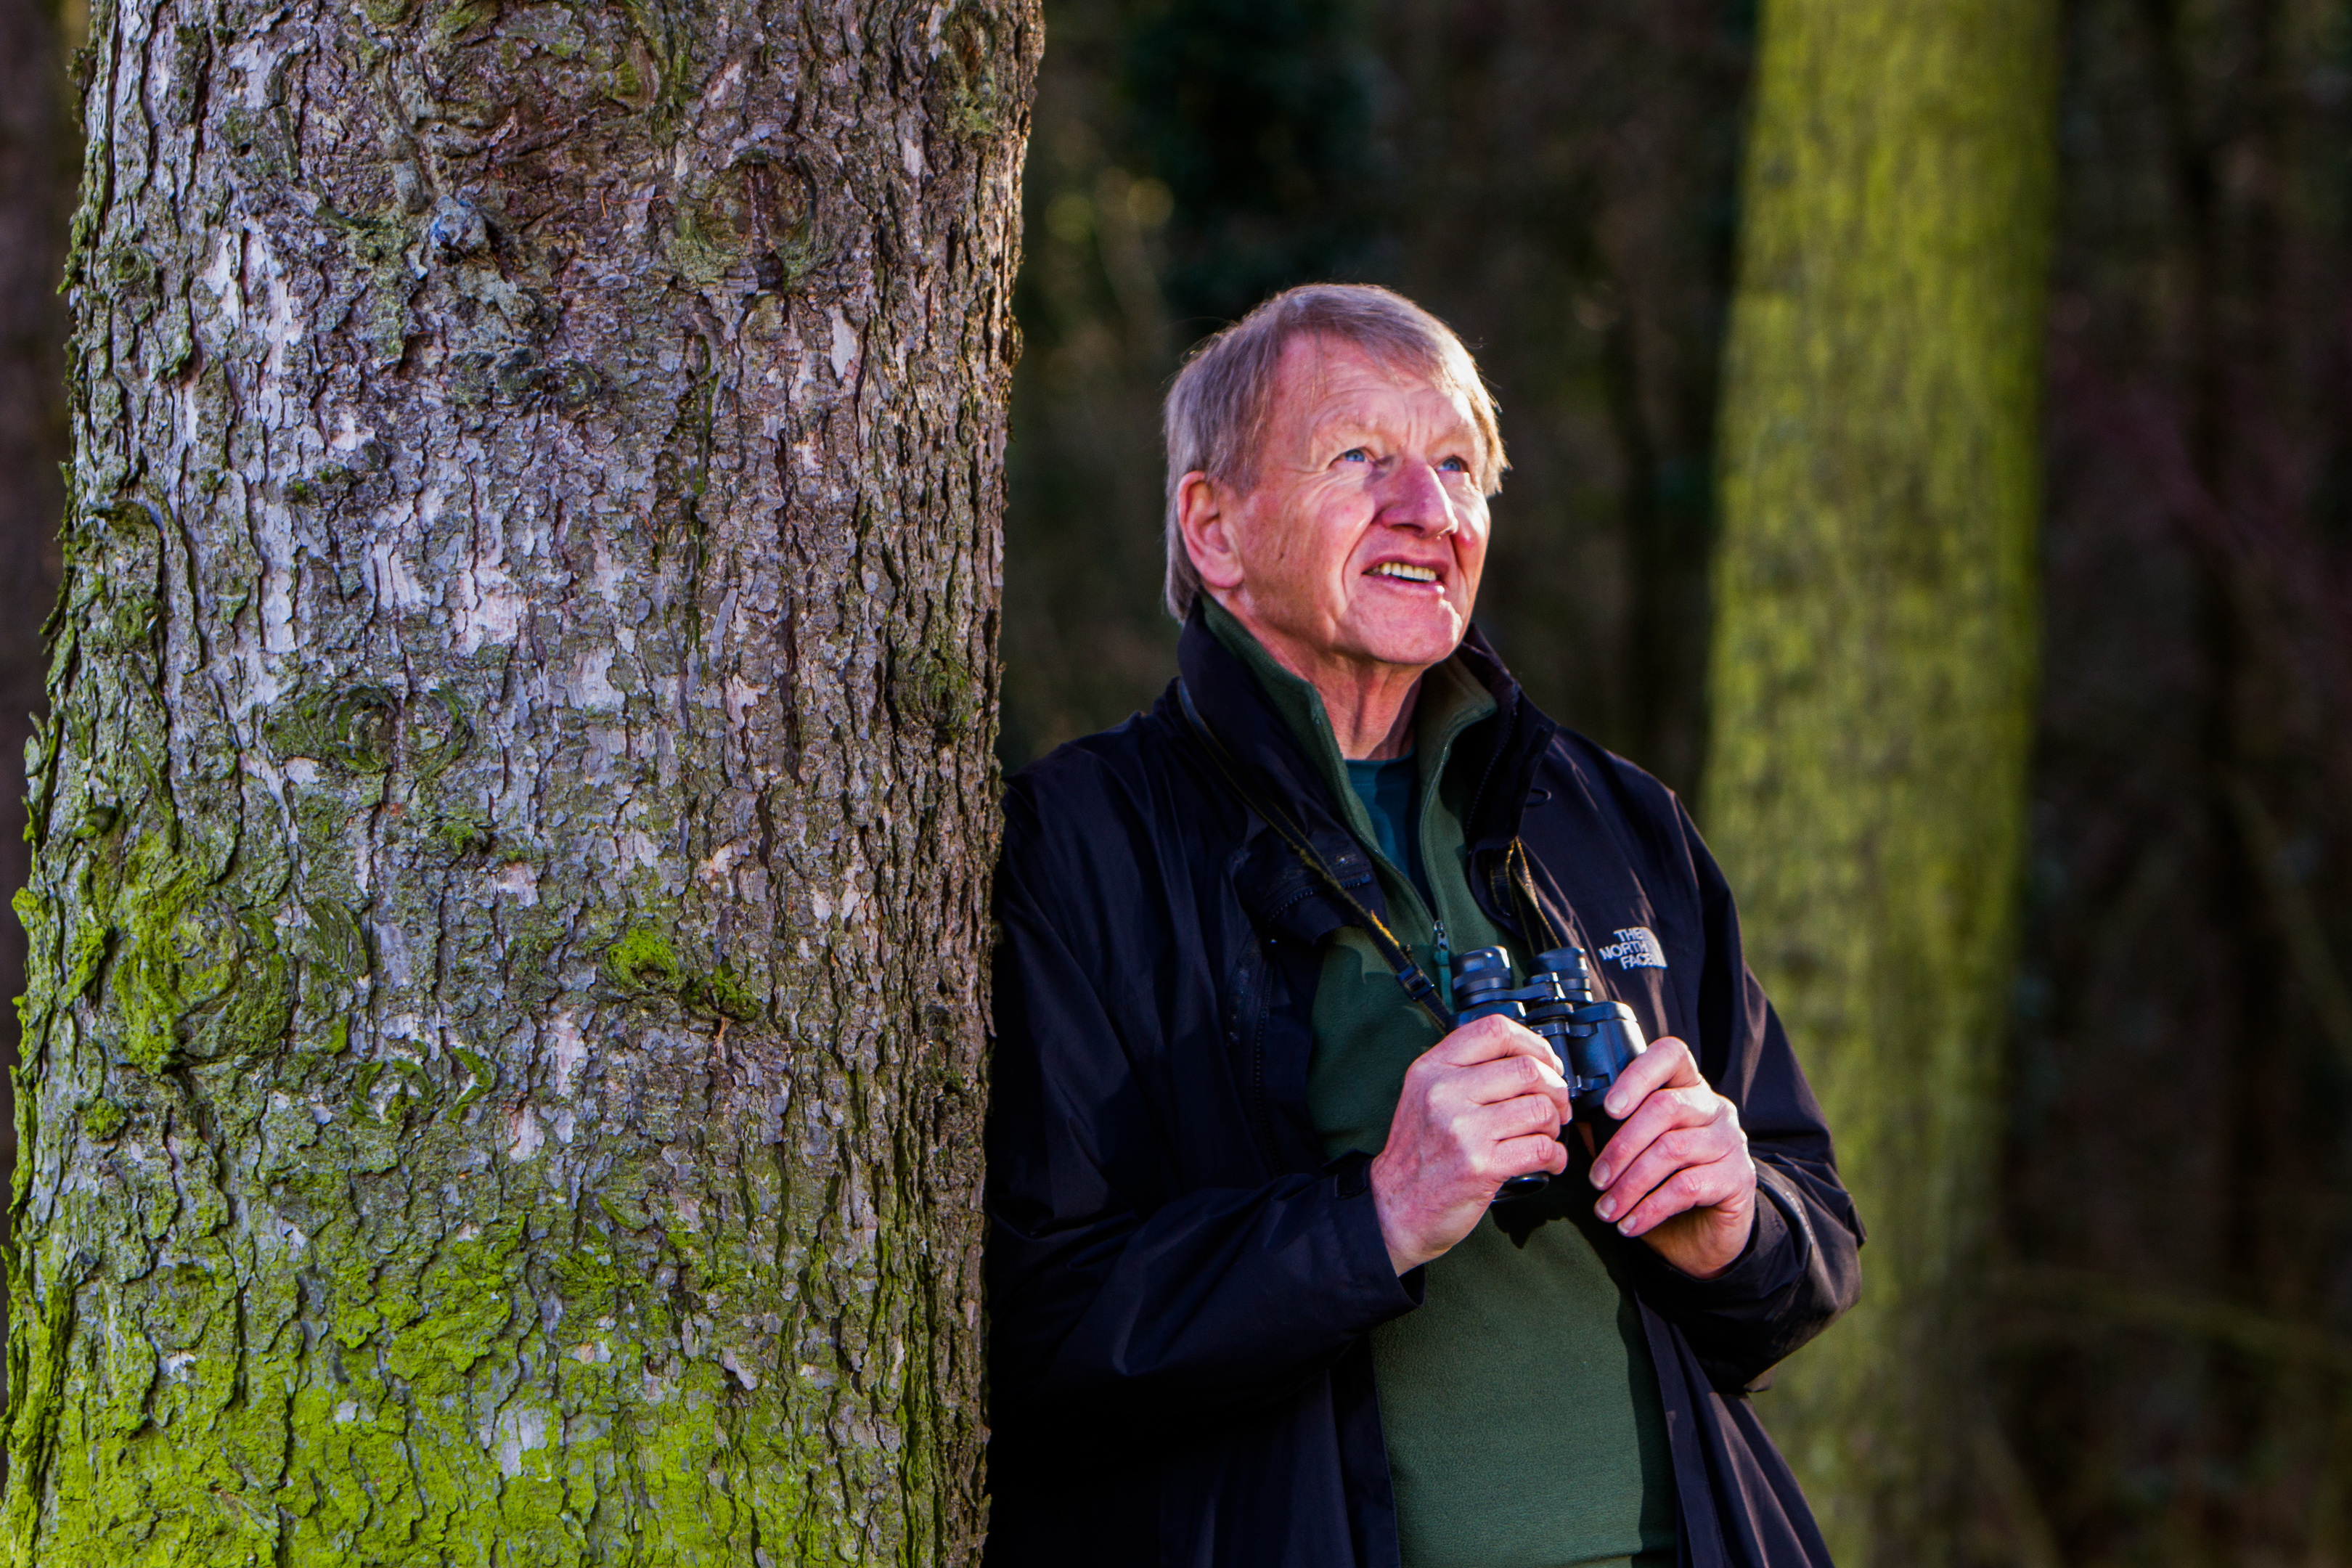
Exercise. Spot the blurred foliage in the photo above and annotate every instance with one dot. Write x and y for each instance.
(2179, 1213)
(39, 153)
(1257, 119)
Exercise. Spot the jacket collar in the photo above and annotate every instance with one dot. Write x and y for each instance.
(1227, 697)
(1520, 734)
(1501, 751)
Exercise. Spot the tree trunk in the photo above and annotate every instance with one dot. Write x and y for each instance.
(504, 1035)
(1874, 667)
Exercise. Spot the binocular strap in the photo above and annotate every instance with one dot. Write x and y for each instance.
(1409, 976)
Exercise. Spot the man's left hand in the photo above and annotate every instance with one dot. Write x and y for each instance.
(1677, 1173)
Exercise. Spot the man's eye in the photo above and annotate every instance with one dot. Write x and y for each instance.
(1454, 466)
(1355, 455)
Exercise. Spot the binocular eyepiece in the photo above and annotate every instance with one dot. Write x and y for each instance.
(1593, 1040)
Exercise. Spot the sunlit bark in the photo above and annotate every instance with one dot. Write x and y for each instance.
(504, 1039)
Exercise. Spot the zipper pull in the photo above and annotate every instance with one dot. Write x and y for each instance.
(1444, 966)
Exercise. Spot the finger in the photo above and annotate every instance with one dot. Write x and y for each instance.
(1472, 1045)
(1667, 1064)
(1488, 1039)
(1694, 1187)
(1476, 1136)
(1661, 1113)
(1524, 1156)
(1508, 1119)
(1506, 1078)
(1684, 1148)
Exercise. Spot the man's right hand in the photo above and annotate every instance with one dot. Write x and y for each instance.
(1482, 1105)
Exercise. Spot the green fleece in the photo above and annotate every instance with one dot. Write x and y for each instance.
(1519, 1402)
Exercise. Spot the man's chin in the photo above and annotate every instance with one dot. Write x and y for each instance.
(1418, 646)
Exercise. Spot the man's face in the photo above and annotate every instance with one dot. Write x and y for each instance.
(1362, 541)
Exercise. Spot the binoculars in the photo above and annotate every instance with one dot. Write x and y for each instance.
(1593, 1040)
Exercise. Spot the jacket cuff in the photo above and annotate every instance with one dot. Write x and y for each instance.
(1773, 1259)
(1371, 1274)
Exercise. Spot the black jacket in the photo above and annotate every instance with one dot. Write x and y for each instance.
(1179, 1286)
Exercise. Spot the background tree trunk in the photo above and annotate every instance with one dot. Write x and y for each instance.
(504, 1034)
(1873, 669)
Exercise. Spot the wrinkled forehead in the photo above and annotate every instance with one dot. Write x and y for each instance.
(1323, 379)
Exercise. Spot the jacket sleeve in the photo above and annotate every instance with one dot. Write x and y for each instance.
(1108, 1282)
(1801, 1268)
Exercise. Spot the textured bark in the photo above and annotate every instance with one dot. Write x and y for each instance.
(1873, 664)
(504, 1039)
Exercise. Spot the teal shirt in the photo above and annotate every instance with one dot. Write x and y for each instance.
(1390, 792)
(1519, 1401)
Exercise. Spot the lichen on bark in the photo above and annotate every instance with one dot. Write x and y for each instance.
(503, 1047)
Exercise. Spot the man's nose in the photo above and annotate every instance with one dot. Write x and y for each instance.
(1413, 496)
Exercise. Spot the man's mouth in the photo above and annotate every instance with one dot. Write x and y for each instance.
(1403, 571)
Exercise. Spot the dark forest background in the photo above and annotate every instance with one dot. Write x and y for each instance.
(2170, 1290)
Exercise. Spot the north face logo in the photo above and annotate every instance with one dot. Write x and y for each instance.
(1635, 948)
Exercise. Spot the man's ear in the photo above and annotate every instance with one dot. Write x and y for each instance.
(1206, 516)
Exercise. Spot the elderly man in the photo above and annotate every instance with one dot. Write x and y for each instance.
(1254, 1298)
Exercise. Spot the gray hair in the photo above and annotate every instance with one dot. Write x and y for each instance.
(1218, 409)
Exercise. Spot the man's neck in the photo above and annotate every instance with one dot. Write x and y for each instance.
(1370, 706)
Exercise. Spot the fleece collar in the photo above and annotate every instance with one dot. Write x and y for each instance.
(1501, 751)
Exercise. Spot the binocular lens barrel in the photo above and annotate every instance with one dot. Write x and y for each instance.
(1482, 982)
(1592, 1041)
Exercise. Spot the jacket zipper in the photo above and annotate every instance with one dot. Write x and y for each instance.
(1478, 795)
(1261, 1117)
(1499, 902)
(1288, 904)
(1443, 964)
